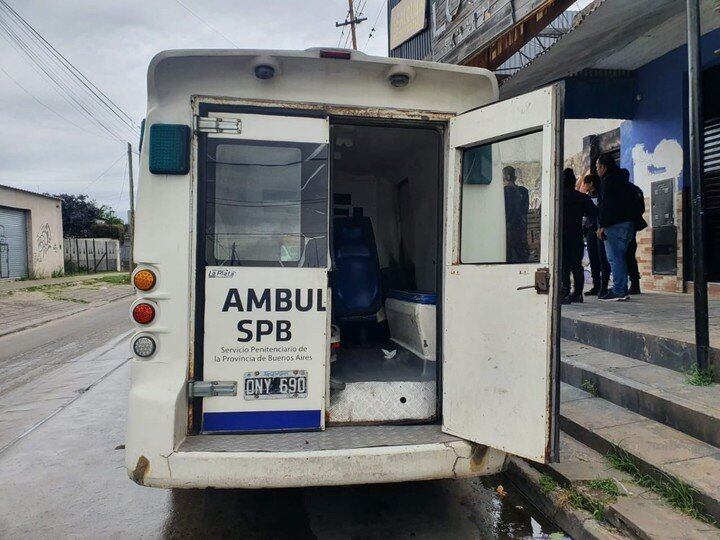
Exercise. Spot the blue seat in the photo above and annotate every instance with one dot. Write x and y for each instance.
(357, 291)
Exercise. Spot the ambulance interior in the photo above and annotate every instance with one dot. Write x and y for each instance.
(385, 248)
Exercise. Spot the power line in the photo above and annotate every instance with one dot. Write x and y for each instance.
(33, 96)
(98, 177)
(377, 18)
(113, 107)
(211, 27)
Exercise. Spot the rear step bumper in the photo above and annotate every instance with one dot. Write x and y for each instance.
(383, 464)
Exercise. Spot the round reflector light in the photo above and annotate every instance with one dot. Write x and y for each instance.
(143, 313)
(144, 280)
(144, 346)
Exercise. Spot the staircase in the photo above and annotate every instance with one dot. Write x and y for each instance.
(625, 393)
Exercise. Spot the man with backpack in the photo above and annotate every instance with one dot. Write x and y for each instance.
(618, 211)
(639, 224)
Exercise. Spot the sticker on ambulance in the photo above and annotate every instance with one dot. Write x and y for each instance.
(290, 384)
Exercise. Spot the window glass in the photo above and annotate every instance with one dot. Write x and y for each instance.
(501, 193)
(266, 204)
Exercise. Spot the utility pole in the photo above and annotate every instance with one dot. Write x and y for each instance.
(352, 21)
(695, 129)
(132, 207)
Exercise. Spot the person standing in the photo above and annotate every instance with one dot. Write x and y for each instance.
(576, 206)
(616, 226)
(599, 265)
(639, 224)
(517, 205)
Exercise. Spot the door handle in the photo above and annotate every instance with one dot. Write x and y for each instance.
(542, 282)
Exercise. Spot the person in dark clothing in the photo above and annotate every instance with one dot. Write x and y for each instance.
(517, 204)
(599, 265)
(576, 206)
(616, 223)
(639, 224)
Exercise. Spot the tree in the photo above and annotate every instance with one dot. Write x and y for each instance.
(81, 216)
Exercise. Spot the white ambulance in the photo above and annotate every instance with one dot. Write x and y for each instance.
(345, 272)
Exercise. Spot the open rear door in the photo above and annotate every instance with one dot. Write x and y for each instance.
(500, 287)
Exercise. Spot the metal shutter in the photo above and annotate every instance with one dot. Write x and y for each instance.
(711, 194)
(13, 238)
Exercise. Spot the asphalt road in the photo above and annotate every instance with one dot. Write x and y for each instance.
(63, 473)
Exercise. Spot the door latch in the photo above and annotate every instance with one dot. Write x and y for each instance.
(542, 281)
(212, 388)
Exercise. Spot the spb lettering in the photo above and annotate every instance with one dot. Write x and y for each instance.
(271, 300)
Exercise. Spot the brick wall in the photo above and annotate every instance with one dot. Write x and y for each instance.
(648, 280)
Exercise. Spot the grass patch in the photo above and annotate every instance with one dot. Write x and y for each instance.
(547, 484)
(581, 501)
(117, 279)
(590, 387)
(699, 377)
(606, 485)
(677, 494)
(59, 298)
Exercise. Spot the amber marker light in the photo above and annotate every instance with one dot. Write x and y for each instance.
(144, 280)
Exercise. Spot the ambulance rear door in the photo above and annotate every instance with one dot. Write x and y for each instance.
(262, 271)
(500, 320)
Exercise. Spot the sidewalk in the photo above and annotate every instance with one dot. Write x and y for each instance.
(25, 304)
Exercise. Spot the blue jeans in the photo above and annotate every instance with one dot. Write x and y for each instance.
(617, 238)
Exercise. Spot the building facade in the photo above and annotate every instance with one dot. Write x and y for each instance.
(31, 234)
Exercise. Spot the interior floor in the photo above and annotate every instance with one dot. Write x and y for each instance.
(333, 438)
(358, 364)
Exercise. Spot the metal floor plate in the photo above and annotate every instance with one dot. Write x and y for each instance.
(333, 438)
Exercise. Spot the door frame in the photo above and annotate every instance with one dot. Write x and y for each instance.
(204, 105)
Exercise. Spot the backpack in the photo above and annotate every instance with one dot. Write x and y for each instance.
(638, 207)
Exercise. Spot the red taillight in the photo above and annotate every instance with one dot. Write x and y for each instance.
(143, 313)
(339, 55)
(335, 346)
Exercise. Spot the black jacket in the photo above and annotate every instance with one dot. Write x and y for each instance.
(576, 205)
(617, 198)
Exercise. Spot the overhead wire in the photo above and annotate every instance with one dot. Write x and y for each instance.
(76, 73)
(49, 108)
(98, 177)
(64, 76)
(211, 27)
(377, 18)
(46, 72)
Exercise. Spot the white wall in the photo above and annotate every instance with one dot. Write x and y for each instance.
(45, 230)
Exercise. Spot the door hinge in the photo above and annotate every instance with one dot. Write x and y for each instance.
(211, 124)
(212, 388)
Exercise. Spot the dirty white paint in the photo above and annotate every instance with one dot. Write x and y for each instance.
(662, 162)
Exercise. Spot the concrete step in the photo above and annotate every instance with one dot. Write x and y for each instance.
(676, 353)
(637, 512)
(655, 392)
(656, 449)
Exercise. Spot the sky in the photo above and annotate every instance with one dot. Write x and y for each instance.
(48, 146)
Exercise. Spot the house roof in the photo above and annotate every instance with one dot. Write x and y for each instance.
(29, 193)
(612, 35)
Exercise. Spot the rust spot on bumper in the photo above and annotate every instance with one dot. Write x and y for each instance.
(141, 469)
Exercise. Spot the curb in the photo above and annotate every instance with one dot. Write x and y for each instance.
(579, 524)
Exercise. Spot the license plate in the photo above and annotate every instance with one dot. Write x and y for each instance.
(276, 384)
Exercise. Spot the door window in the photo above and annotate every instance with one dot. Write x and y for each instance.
(501, 191)
(266, 204)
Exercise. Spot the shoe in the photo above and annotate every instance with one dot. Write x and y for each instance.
(576, 298)
(612, 297)
(634, 289)
(593, 292)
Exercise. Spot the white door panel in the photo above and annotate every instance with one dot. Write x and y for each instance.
(497, 348)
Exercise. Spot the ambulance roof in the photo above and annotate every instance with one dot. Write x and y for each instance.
(305, 76)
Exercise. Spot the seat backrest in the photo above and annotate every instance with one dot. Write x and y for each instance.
(357, 290)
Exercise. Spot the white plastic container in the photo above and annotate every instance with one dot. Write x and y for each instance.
(412, 320)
